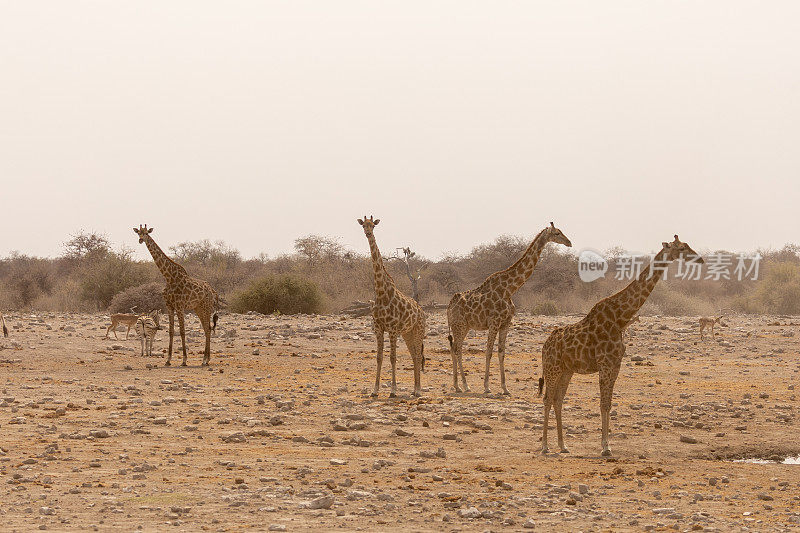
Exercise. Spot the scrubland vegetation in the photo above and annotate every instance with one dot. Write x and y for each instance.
(324, 277)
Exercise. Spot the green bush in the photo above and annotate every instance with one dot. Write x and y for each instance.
(285, 294)
(143, 298)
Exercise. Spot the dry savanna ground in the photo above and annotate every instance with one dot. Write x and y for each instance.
(280, 433)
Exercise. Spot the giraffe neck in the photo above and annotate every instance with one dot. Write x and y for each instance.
(626, 303)
(171, 270)
(384, 285)
(515, 276)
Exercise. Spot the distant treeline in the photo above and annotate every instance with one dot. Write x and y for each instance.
(90, 273)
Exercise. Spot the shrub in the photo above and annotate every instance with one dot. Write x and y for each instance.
(284, 294)
(144, 298)
(28, 278)
(779, 291)
(101, 279)
(547, 307)
(671, 302)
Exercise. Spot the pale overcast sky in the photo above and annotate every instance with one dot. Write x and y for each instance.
(453, 122)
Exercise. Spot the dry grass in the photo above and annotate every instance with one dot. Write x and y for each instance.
(88, 282)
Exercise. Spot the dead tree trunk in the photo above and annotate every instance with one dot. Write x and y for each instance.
(414, 278)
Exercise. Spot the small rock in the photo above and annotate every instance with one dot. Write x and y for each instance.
(472, 512)
(234, 438)
(323, 502)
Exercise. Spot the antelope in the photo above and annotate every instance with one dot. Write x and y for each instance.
(125, 319)
(708, 322)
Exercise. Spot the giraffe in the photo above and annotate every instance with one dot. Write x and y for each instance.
(489, 307)
(181, 294)
(393, 313)
(595, 343)
(627, 329)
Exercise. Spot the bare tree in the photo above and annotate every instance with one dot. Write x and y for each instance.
(412, 276)
(206, 253)
(317, 247)
(85, 244)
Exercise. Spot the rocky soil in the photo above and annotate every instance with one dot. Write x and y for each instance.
(280, 433)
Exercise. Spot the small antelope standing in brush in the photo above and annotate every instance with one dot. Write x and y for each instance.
(126, 319)
(708, 322)
(146, 327)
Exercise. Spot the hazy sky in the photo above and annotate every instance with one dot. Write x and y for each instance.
(453, 122)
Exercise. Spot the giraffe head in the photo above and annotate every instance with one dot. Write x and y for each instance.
(142, 232)
(554, 234)
(368, 224)
(677, 249)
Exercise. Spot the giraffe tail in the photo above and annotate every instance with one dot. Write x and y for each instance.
(214, 319)
(422, 353)
(450, 340)
(541, 385)
(5, 329)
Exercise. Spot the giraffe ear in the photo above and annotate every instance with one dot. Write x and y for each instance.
(665, 244)
(136, 230)
(150, 231)
(552, 225)
(361, 222)
(377, 221)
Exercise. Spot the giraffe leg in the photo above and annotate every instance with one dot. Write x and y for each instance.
(455, 351)
(461, 370)
(182, 326)
(414, 344)
(379, 337)
(608, 377)
(501, 357)
(558, 402)
(171, 335)
(205, 321)
(393, 360)
(548, 403)
(489, 348)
